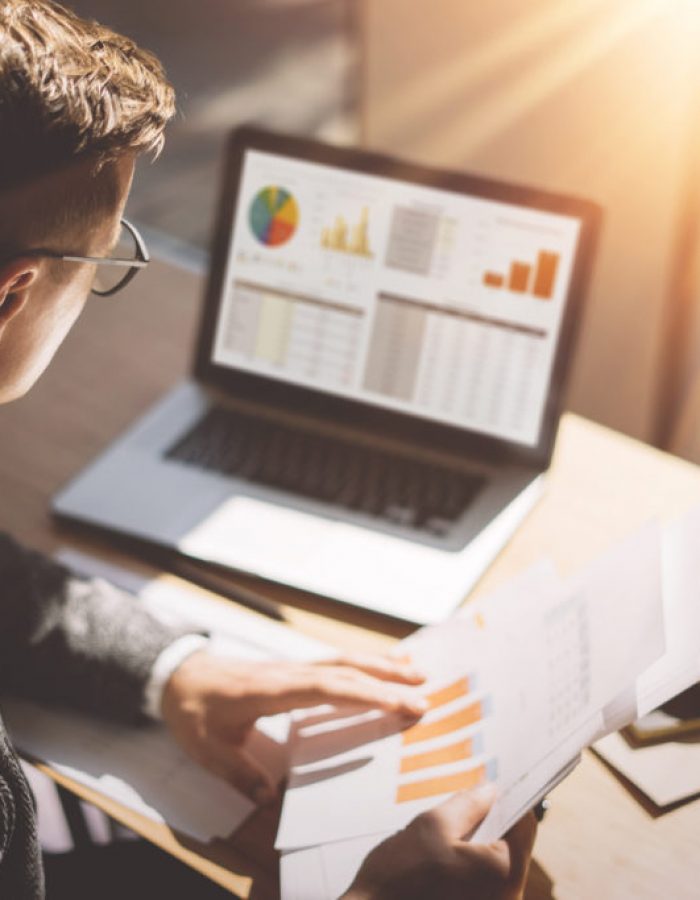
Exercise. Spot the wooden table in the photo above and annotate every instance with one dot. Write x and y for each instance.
(599, 839)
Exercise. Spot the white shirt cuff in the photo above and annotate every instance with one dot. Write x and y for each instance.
(164, 666)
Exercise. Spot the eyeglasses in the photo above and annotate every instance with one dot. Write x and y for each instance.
(130, 252)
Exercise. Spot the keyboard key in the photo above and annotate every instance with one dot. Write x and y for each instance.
(403, 492)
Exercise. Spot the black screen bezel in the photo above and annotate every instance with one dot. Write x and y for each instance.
(360, 415)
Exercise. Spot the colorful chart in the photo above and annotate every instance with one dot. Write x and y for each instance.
(274, 216)
(344, 238)
(446, 753)
(521, 279)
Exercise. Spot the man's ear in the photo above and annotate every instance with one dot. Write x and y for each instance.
(16, 276)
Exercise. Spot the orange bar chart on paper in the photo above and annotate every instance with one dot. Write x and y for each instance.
(446, 784)
(467, 715)
(442, 756)
(450, 692)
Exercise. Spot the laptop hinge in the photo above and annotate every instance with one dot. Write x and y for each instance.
(353, 435)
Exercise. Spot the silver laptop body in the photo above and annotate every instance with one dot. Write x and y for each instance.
(377, 383)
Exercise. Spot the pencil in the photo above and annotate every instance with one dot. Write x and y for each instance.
(219, 584)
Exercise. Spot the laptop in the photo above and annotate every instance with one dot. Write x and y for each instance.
(377, 381)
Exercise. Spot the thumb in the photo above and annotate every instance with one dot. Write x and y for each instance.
(243, 772)
(461, 813)
(520, 840)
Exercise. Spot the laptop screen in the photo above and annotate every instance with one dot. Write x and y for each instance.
(399, 295)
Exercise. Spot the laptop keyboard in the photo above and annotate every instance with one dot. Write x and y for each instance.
(404, 492)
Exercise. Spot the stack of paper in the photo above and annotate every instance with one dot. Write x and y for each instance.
(518, 687)
(668, 772)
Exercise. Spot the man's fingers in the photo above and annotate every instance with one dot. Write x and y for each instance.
(340, 686)
(459, 815)
(242, 771)
(383, 667)
(521, 836)
(487, 862)
(506, 861)
(520, 840)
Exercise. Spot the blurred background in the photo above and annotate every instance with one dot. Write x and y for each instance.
(599, 98)
(288, 64)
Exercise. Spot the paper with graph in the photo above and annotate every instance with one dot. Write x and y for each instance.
(516, 689)
(326, 872)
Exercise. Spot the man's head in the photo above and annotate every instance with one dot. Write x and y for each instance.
(78, 104)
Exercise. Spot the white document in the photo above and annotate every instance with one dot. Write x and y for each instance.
(345, 777)
(327, 871)
(592, 637)
(679, 667)
(142, 767)
(516, 689)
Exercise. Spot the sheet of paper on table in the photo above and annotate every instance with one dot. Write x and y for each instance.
(518, 686)
(666, 773)
(143, 768)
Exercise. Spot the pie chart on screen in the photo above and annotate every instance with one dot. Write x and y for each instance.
(274, 216)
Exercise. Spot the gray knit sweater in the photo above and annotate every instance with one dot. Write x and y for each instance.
(70, 642)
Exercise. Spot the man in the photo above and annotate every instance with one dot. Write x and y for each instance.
(78, 104)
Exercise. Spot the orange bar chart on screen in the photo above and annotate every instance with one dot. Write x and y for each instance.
(545, 275)
(519, 277)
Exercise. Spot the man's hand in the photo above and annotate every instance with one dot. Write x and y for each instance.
(432, 857)
(211, 703)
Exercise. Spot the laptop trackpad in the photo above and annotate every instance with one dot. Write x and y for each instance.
(328, 557)
(249, 532)
(339, 559)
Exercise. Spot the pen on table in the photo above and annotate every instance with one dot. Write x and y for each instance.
(220, 585)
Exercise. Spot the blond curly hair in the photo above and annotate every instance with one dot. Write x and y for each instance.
(71, 88)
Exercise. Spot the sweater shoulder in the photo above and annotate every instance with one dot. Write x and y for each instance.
(8, 814)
